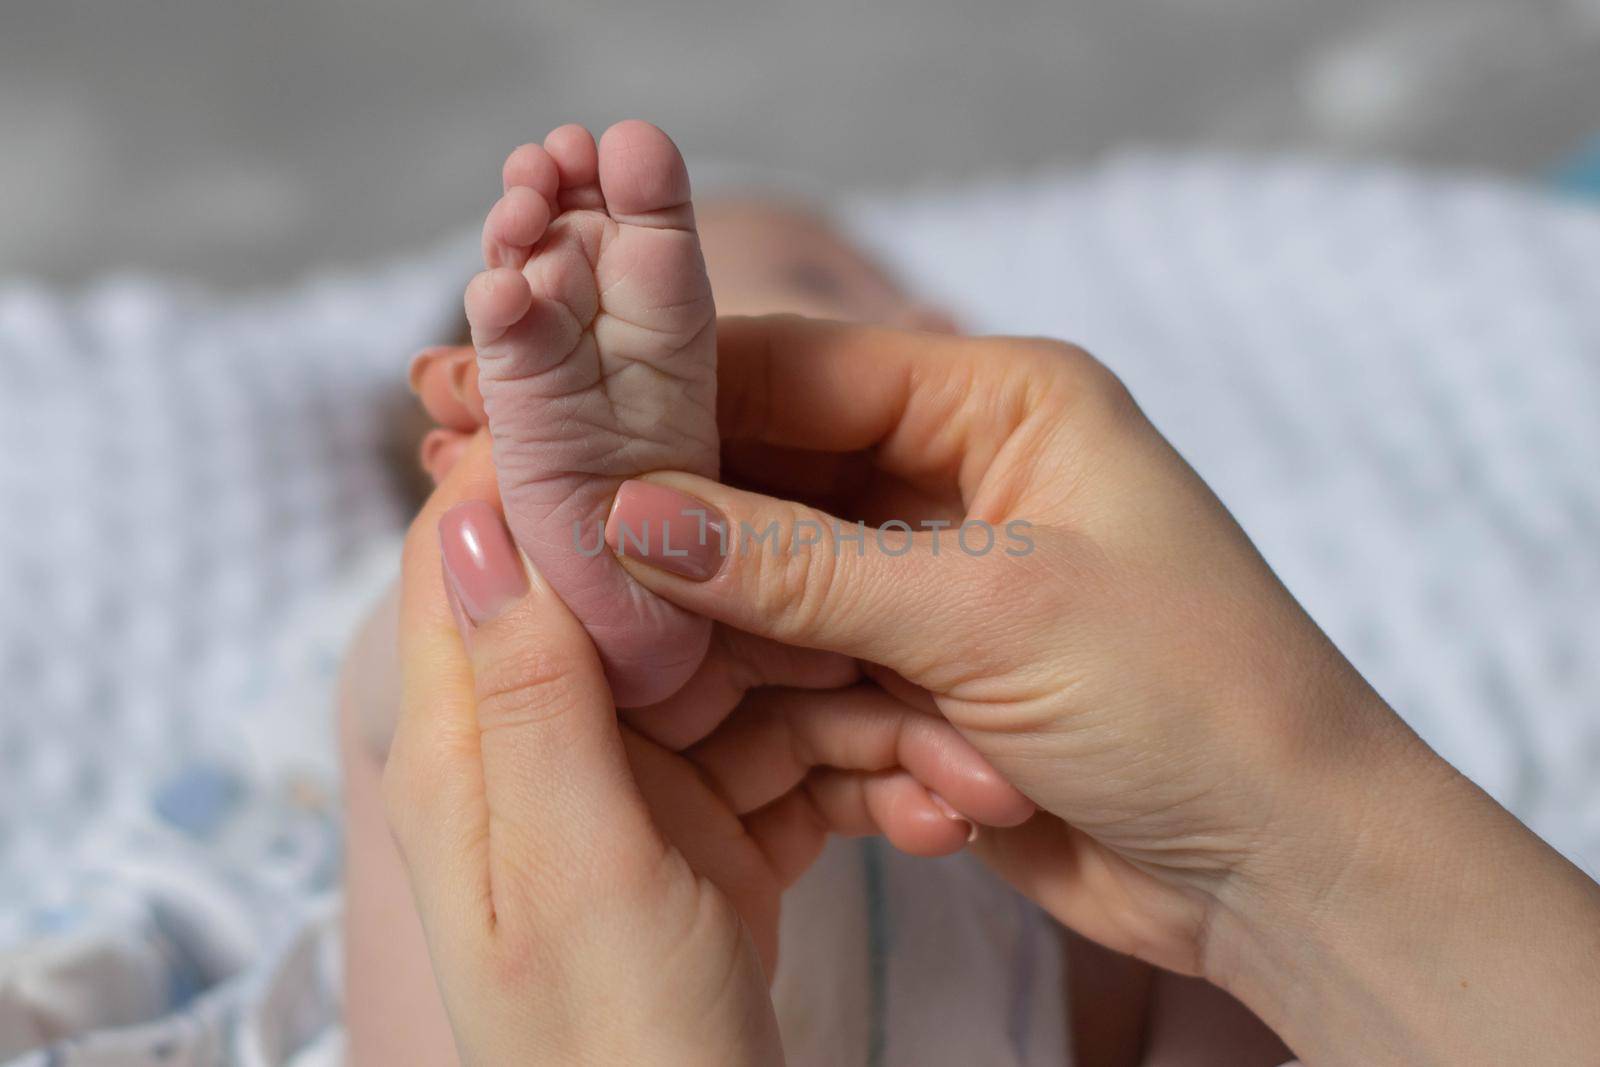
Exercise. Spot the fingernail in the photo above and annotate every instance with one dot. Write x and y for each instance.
(667, 529)
(480, 562)
(954, 816)
(419, 365)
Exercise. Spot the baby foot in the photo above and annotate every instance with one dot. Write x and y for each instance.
(596, 341)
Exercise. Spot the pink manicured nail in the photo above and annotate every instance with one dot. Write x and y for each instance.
(667, 529)
(480, 562)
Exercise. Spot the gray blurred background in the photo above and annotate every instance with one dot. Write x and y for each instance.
(244, 142)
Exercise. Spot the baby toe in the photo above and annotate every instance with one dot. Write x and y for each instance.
(643, 175)
(577, 161)
(514, 226)
(496, 300)
(530, 166)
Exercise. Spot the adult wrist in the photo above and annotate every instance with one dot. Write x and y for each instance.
(1289, 932)
(1401, 916)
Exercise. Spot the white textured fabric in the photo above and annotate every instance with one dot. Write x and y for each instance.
(1390, 378)
(196, 507)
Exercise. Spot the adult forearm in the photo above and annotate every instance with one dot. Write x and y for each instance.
(1416, 921)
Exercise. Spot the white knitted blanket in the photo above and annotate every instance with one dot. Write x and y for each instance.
(1391, 378)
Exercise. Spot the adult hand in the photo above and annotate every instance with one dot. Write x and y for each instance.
(588, 895)
(1226, 796)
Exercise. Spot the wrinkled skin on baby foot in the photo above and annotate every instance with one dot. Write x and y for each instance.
(595, 334)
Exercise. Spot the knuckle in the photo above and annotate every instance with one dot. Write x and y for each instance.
(1078, 389)
(1109, 396)
(798, 582)
(525, 686)
(1095, 387)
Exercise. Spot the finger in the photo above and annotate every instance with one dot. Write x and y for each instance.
(1081, 884)
(446, 382)
(503, 764)
(430, 380)
(787, 572)
(792, 830)
(791, 833)
(931, 407)
(776, 372)
(709, 836)
(564, 815)
(778, 736)
(890, 803)
(885, 497)
(464, 387)
(847, 484)
(440, 450)
(432, 782)
(424, 361)
(911, 695)
(735, 663)
(819, 478)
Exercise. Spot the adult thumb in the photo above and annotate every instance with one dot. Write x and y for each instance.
(917, 598)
